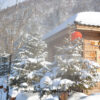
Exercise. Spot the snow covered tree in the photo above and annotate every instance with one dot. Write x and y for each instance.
(74, 67)
(51, 82)
(30, 61)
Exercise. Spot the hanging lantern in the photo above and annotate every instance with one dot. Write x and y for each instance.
(76, 35)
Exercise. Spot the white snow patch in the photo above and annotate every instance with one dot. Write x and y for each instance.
(65, 83)
(13, 92)
(32, 60)
(24, 84)
(31, 75)
(2, 94)
(35, 96)
(21, 96)
(76, 96)
(92, 97)
(45, 82)
(82, 96)
(88, 18)
(1, 81)
(50, 97)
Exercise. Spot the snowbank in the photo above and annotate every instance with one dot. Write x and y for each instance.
(76, 96)
(82, 96)
(50, 97)
(21, 96)
(35, 96)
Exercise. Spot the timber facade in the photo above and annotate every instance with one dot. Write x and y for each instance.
(91, 48)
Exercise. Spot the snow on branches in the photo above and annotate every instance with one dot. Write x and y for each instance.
(74, 67)
(30, 61)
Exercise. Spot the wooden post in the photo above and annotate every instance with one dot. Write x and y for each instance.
(7, 89)
(8, 76)
(64, 96)
(12, 98)
(1, 86)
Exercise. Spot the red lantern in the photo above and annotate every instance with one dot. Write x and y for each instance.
(76, 35)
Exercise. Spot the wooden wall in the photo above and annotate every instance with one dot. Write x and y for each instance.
(91, 48)
(92, 52)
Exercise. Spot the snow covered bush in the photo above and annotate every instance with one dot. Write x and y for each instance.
(52, 82)
(74, 67)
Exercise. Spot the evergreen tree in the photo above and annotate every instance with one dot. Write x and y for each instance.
(30, 61)
(74, 67)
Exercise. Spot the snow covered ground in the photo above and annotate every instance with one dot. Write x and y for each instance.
(76, 96)
(82, 96)
(27, 96)
(2, 95)
(36, 96)
(92, 97)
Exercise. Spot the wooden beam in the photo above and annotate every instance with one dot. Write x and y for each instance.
(86, 27)
(89, 32)
(91, 37)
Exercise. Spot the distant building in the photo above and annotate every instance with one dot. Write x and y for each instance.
(88, 23)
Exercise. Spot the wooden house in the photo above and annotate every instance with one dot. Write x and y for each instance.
(88, 23)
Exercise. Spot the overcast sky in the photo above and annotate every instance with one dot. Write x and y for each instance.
(8, 3)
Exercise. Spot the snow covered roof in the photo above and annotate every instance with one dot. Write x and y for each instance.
(61, 27)
(88, 18)
(84, 18)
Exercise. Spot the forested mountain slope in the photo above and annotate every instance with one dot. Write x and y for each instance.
(37, 16)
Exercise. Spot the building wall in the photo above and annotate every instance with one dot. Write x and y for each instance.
(91, 50)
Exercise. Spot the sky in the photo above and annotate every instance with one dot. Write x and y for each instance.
(8, 3)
